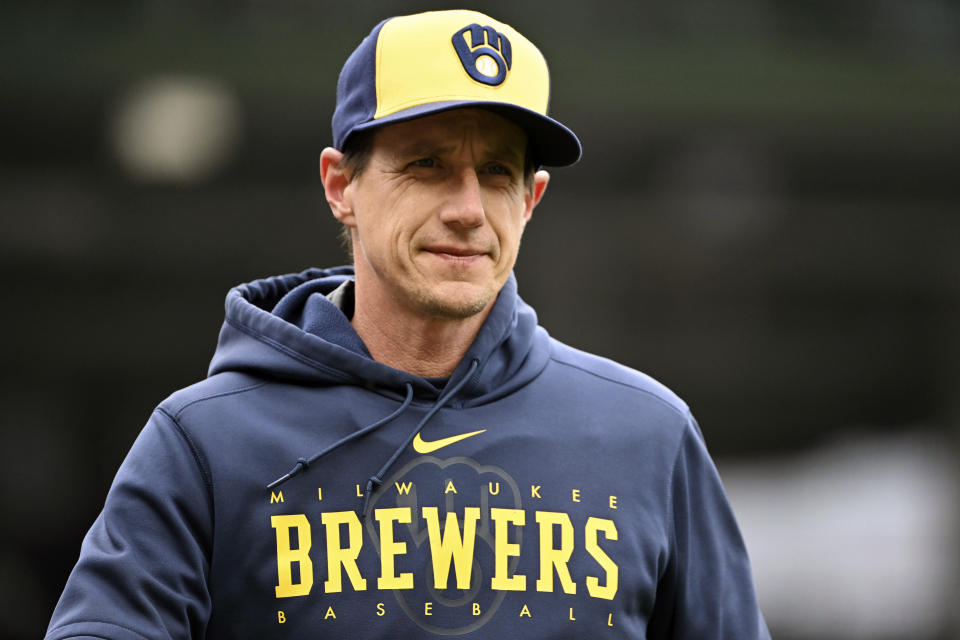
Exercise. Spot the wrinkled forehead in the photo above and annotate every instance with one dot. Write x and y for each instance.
(480, 129)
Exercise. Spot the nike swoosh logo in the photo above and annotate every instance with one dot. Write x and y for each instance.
(422, 446)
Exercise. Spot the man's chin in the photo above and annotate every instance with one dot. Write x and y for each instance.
(456, 301)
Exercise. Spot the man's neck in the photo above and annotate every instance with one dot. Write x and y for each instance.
(429, 347)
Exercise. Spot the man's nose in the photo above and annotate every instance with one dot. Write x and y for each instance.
(464, 205)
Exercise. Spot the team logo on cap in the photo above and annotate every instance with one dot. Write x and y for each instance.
(487, 57)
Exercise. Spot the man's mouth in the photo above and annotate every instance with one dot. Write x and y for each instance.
(454, 251)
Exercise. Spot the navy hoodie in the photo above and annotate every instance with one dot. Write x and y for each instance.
(539, 492)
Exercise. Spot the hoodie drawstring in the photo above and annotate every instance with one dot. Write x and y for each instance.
(375, 480)
(304, 463)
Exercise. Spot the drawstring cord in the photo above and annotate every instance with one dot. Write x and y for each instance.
(375, 480)
(304, 463)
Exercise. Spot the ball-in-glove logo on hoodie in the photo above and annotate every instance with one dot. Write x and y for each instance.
(459, 608)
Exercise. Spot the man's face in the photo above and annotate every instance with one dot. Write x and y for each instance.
(437, 214)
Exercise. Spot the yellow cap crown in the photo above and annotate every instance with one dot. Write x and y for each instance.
(420, 59)
(412, 66)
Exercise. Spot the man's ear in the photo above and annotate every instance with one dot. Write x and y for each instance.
(534, 196)
(335, 181)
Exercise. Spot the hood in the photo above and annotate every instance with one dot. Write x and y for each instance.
(285, 328)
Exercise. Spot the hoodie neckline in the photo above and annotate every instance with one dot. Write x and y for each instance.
(284, 327)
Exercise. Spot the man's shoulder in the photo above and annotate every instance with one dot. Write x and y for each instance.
(218, 387)
(611, 373)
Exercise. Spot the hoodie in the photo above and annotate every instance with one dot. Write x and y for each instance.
(305, 490)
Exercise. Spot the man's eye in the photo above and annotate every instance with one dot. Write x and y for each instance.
(498, 170)
(424, 162)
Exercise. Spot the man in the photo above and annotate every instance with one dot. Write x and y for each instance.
(454, 470)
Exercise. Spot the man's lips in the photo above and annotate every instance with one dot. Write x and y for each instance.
(455, 252)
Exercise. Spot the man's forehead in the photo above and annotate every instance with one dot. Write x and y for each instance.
(447, 130)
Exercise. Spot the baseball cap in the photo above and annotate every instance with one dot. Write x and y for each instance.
(412, 66)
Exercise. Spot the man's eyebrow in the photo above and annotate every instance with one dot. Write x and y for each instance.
(508, 152)
(422, 148)
(418, 148)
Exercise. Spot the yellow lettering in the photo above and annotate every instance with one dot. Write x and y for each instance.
(380, 609)
(571, 614)
(428, 608)
(535, 491)
(609, 529)
(451, 547)
(319, 493)
(281, 617)
(490, 489)
(403, 489)
(389, 549)
(576, 495)
(359, 493)
(329, 614)
(338, 555)
(613, 502)
(276, 497)
(525, 612)
(503, 549)
(287, 556)
(609, 619)
(476, 608)
(552, 557)
(450, 488)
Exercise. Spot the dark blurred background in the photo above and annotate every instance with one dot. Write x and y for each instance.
(766, 218)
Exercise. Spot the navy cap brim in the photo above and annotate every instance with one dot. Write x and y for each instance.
(554, 145)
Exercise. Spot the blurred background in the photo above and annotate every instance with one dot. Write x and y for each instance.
(766, 218)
